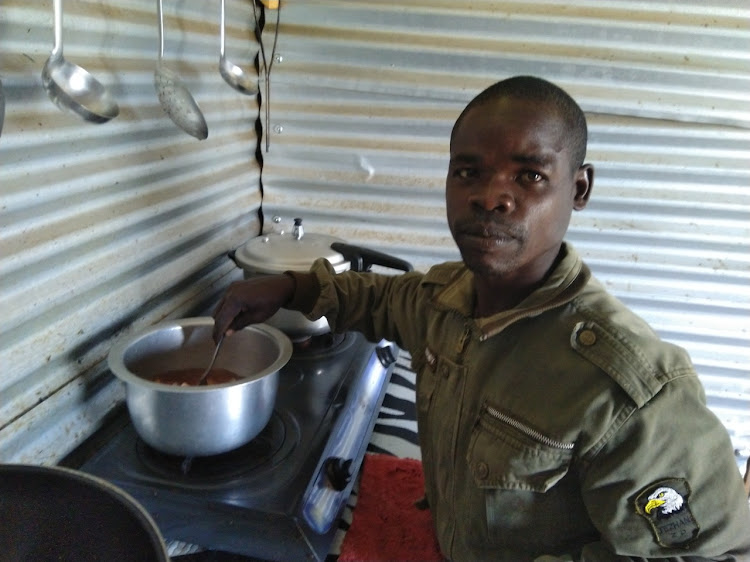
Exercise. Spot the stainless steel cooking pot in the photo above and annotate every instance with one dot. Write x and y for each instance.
(296, 250)
(57, 513)
(200, 420)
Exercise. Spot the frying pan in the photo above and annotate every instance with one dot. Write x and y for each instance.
(57, 513)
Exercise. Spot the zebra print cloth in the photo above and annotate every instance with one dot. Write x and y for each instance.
(395, 433)
(396, 428)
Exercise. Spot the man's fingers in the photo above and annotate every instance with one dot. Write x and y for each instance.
(224, 319)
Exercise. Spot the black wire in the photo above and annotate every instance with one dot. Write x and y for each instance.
(267, 66)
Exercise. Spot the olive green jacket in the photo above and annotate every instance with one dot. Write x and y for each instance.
(563, 427)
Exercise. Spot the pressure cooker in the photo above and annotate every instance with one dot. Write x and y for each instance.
(296, 250)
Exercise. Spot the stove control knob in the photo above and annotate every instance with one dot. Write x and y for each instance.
(338, 472)
(385, 355)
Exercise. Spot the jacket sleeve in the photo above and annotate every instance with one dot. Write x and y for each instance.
(666, 484)
(378, 305)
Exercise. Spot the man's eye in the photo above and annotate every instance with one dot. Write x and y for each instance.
(531, 177)
(465, 173)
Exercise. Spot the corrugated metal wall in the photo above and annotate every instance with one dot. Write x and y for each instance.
(108, 227)
(126, 222)
(364, 94)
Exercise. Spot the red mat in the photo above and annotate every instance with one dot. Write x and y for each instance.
(385, 523)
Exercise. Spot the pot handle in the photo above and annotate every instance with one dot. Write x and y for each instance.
(363, 259)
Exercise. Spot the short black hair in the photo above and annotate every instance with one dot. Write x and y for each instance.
(540, 90)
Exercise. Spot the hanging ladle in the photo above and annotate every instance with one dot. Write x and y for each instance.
(174, 96)
(230, 72)
(2, 106)
(70, 87)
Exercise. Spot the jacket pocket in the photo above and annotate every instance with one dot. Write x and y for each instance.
(507, 453)
(524, 481)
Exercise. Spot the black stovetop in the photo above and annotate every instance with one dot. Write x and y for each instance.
(279, 496)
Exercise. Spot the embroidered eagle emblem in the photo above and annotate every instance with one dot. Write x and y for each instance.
(665, 504)
(667, 499)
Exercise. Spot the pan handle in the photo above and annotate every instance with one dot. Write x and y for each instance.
(363, 259)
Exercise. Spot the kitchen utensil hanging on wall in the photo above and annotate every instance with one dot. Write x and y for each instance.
(2, 107)
(271, 5)
(232, 74)
(71, 87)
(175, 98)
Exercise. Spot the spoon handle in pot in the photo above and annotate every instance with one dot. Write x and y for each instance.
(204, 376)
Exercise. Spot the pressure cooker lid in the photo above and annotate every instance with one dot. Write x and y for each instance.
(276, 253)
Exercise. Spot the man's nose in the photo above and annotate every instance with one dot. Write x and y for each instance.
(494, 195)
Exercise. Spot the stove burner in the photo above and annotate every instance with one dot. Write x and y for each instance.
(320, 343)
(217, 468)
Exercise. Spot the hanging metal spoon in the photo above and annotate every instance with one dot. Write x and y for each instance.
(70, 87)
(175, 98)
(2, 106)
(230, 72)
(202, 380)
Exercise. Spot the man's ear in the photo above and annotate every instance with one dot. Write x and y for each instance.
(584, 181)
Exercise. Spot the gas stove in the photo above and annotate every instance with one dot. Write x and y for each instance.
(279, 496)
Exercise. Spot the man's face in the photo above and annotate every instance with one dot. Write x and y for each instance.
(511, 188)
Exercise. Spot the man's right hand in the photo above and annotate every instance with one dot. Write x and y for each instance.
(251, 301)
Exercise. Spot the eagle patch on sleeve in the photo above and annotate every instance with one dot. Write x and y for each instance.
(665, 505)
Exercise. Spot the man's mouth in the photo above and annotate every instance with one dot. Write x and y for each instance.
(488, 232)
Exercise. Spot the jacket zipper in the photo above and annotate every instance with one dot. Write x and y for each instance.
(526, 430)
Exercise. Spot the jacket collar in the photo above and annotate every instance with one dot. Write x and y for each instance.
(565, 282)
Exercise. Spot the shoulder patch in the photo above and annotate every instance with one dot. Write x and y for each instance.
(665, 506)
(617, 357)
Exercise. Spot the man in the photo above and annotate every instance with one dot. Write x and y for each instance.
(553, 422)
